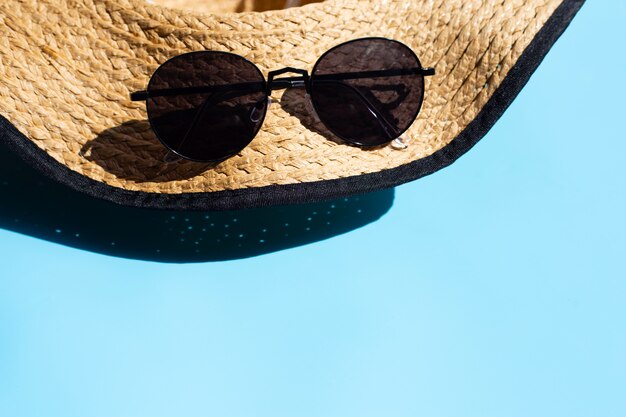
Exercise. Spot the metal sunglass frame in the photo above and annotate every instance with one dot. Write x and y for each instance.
(303, 80)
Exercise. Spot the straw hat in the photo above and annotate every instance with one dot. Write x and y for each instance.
(67, 68)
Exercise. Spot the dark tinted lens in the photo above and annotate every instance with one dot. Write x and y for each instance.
(365, 91)
(206, 106)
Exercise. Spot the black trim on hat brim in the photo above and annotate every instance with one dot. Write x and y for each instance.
(308, 192)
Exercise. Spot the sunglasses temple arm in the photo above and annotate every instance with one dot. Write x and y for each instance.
(382, 120)
(245, 88)
(387, 127)
(207, 104)
(211, 100)
(375, 74)
(143, 95)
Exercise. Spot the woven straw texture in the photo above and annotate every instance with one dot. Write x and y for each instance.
(67, 68)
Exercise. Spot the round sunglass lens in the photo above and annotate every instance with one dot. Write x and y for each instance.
(368, 91)
(206, 106)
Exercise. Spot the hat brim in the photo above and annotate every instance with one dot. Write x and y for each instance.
(278, 193)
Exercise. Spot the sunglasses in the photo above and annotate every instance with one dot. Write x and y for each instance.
(207, 106)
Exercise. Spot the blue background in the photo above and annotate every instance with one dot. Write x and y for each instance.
(494, 287)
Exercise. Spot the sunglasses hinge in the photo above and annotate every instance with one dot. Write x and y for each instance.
(139, 96)
(427, 72)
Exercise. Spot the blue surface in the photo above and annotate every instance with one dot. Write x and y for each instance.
(492, 288)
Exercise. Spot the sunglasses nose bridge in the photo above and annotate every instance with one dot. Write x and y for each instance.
(274, 83)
